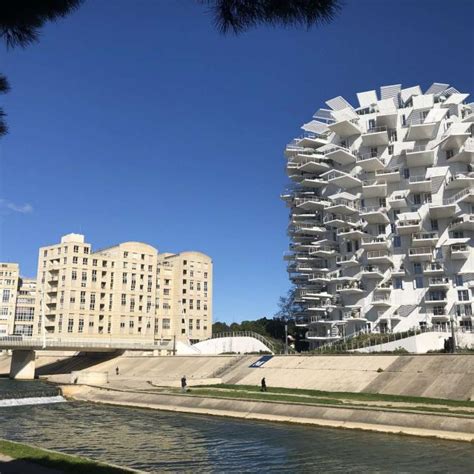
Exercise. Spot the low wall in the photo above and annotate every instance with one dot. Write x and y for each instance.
(89, 378)
(440, 426)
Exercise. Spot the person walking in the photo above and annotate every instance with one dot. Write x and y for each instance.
(264, 385)
(183, 384)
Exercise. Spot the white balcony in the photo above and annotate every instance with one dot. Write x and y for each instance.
(400, 271)
(436, 297)
(345, 128)
(347, 260)
(350, 288)
(464, 222)
(433, 268)
(376, 136)
(308, 229)
(312, 164)
(312, 203)
(398, 200)
(384, 287)
(438, 318)
(383, 300)
(438, 282)
(455, 136)
(420, 155)
(340, 220)
(375, 243)
(379, 256)
(320, 277)
(420, 254)
(372, 188)
(421, 131)
(443, 210)
(374, 215)
(465, 153)
(459, 181)
(370, 161)
(460, 251)
(341, 205)
(424, 239)
(419, 183)
(315, 182)
(388, 175)
(323, 251)
(466, 195)
(341, 179)
(350, 232)
(408, 223)
(340, 155)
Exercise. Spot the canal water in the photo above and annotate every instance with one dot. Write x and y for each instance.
(157, 441)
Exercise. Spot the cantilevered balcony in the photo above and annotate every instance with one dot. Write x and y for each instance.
(375, 136)
(370, 161)
(350, 232)
(340, 155)
(398, 199)
(420, 155)
(372, 271)
(341, 179)
(420, 254)
(419, 184)
(372, 188)
(464, 222)
(312, 164)
(341, 205)
(379, 242)
(307, 229)
(312, 182)
(459, 251)
(388, 175)
(460, 180)
(399, 271)
(379, 256)
(433, 268)
(465, 154)
(465, 195)
(381, 299)
(455, 136)
(340, 220)
(374, 215)
(324, 251)
(421, 131)
(436, 297)
(424, 239)
(408, 223)
(345, 128)
(319, 277)
(385, 287)
(312, 203)
(347, 260)
(438, 282)
(350, 288)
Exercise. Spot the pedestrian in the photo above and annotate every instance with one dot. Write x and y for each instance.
(264, 385)
(117, 371)
(183, 384)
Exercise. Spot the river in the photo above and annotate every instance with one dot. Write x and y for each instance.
(157, 441)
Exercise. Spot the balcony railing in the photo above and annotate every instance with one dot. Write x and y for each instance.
(438, 281)
(418, 179)
(426, 236)
(458, 196)
(462, 219)
(433, 267)
(408, 222)
(367, 210)
(419, 148)
(369, 156)
(345, 202)
(376, 129)
(374, 240)
(340, 217)
(459, 248)
(420, 250)
(379, 254)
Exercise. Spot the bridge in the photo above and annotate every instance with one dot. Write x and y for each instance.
(23, 349)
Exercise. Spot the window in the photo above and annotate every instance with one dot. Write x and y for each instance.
(205, 286)
(381, 228)
(393, 136)
(404, 120)
(84, 261)
(191, 285)
(463, 295)
(417, 268)
(419, 282)
(397, 241)
(94, 275)
(371, 124)
(84, 276)
(449, 154)
(124, 299)
(373, 152)
(125, 254)
(6, 296)
(74, 259)
(86, 249)
(76, 249)
(81, 325)
(349, 246)
(398, 283)
(434, 224)
(458, 234)
(70, 325)
(198, 304)
(185, 262)
(458, 281)
(94, 262)
(166, 323)
(83, 297)
(191, 304)
(205, 274)
(74, 275)
(416, 199)
(406, 173)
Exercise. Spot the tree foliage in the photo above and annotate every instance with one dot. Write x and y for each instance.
(241, 15)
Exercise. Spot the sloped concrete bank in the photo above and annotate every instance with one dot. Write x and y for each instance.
(455, 428)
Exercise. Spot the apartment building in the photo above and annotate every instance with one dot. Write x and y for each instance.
(128, 291)
(382, 213)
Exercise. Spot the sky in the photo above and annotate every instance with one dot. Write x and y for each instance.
(139, 121)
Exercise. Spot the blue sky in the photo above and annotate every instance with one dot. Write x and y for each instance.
(143, 123)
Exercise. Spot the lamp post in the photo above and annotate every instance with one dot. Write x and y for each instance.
(453, 335)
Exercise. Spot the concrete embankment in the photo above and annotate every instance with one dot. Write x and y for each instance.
(450, 427)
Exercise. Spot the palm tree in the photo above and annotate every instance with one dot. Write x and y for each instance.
(240, 15)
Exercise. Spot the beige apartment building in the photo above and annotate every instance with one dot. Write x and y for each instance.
(128, 291)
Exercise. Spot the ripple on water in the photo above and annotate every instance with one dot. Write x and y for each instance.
(160, 441)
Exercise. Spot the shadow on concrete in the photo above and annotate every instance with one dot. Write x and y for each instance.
(55, 466)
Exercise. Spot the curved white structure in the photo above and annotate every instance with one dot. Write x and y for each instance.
(238, 345)
(382, 213)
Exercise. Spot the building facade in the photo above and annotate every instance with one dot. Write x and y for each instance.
(128, 291)
(382, 213)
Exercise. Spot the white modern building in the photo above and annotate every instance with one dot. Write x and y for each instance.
(382, 213)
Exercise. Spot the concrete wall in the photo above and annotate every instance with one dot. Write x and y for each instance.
(239, 345)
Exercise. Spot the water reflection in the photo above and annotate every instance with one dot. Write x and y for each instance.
(159, 441)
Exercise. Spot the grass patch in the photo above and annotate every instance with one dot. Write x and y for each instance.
(339, 396)
(54, 460)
